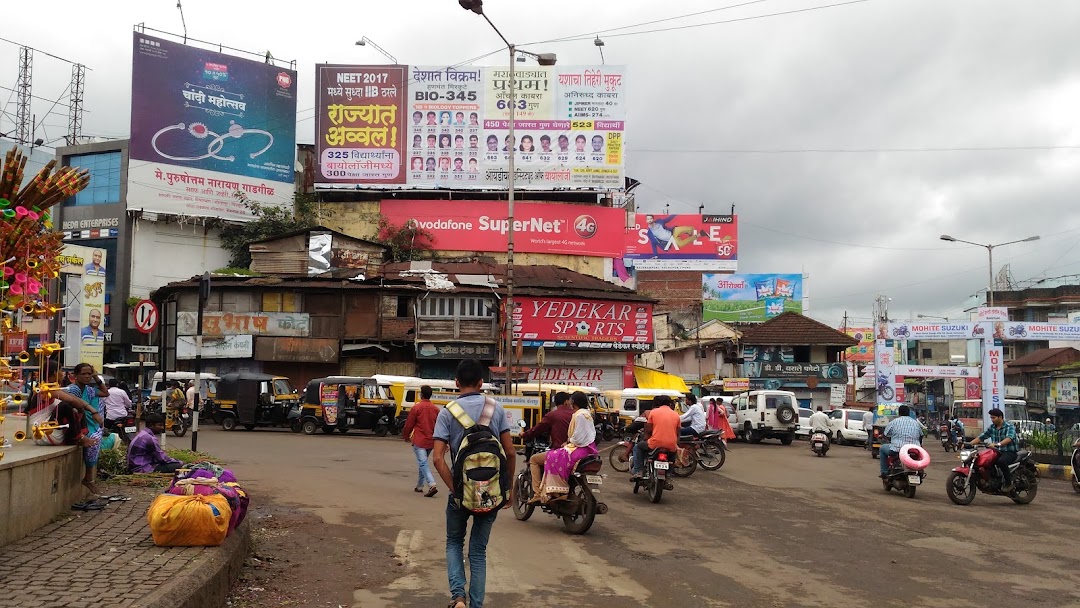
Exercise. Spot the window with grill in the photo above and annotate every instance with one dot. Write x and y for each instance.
(446, 307)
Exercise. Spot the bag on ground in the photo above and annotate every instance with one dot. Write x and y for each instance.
(189, 521)
(481, 476)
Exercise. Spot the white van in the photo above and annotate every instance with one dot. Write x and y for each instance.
(633, 402)
(767, 414)
(207, 387)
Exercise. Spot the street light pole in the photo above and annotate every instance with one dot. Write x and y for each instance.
(990, 252)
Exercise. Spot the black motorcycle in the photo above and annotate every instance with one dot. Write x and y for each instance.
(579, 508)
(654, 474)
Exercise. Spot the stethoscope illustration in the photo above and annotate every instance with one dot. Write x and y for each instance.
(200, 131)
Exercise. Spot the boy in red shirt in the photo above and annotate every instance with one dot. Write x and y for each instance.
(419, 427)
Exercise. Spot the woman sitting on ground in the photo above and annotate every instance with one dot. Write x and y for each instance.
(581, 442)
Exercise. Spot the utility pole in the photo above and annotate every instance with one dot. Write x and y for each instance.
(204, 295)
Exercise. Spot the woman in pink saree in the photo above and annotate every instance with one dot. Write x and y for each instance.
(581, 442)
(717, 419)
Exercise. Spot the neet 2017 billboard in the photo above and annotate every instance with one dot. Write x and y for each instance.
(208, 130)
(749, 298)
(583, 324)
(683, 242)
(434, 127)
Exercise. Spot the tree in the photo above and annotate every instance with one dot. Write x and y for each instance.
(404, 241)
(269, 221)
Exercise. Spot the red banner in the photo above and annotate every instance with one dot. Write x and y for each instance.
(587, 324)
(360, 123)
(684, 242)
(973, 388)
(14, 342)
(538, 227)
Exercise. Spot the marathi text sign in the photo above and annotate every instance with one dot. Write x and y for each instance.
(683, 242)
(360, 123)
(538, 227)
(824, 372)
(296, 324)
(228, 347)
(583, 323)
(206, 127)
(91, 263)
(748, 298)
(1065, 391)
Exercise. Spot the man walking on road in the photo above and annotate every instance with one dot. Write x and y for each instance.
(419, 427)
(449, 433)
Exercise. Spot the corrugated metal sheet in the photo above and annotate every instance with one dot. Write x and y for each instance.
(285, 262)
(476, 330)
(359, 366)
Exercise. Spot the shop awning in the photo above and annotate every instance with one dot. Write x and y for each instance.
(651, 378)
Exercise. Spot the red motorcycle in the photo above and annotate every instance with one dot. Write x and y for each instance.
(977, 471)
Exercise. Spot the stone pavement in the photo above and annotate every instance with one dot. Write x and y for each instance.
(108, 559)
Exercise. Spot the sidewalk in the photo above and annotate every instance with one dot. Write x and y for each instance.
(107, 559)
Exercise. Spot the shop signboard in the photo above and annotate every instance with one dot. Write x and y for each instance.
(583, 324)
(736, 384)
(208, 130)
(750, 298)
(228, 347)
(297, 324)
(825, 373)
(436, 126)
(455, 350)
(601, 377)
(707, 243)
(469, 225)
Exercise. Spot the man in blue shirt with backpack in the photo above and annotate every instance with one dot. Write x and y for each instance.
(477, 432)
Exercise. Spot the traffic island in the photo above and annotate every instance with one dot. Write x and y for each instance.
(107, 558)
(1055, 471)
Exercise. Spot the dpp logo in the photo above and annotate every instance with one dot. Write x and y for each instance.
(284, 80)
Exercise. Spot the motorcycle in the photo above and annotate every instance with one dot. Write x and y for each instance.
(977, 471)
(654, 474)
(619, 456)
(903, 478)
(125, 427)
(819, 443)
(579, 508)
(605, 430)
(1076, 466)
(943, 435)
(178, 420)
(706, 450)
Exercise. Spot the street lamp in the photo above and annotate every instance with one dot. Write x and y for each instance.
(990, 252)
(922, 316)
(365, 41)
(544, 59)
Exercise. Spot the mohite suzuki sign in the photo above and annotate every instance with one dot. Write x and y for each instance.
(583, 324)
(538, 227)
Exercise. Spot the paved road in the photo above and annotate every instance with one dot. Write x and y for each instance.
(775, 527)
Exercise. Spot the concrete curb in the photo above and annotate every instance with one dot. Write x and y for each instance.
(207, 582)
(1055, 471)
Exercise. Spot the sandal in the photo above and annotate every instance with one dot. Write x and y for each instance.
(432, 491)
(418, 489)
(457, 602)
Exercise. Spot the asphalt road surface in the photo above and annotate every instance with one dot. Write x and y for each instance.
(775, 526)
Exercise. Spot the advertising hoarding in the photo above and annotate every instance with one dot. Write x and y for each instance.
(217, 324)
(360, 123)
(227, 347)
(863, 352)
(824, 372)
(583, 324)
(997, 330)
(993, 381)
(436, 126)
(936, 371)
(683, 242)
(749, 298)
(92, 265)
(206, 126)
(538, 227)
(1065, 391)
(996, 313)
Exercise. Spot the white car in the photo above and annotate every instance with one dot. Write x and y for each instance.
(804, 423)
(847, 426)
(766, 415)
(1026, 428)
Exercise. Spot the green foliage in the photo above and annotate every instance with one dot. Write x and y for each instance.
(132, 301)
(405, 241)
(232, 270)
(268, 223)
(1048, 442)
(113, 463)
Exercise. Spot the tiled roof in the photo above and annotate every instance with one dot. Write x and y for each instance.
(1039, 357)
(791, 328)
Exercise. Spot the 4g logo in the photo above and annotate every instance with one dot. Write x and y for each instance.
(585, 226)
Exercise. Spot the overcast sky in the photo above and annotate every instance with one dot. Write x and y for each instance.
(843, 136)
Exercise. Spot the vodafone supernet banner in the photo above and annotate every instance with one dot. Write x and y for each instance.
(538, 227)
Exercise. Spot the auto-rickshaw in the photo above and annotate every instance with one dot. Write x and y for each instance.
(344, 403)
(883, 414)
(251, 399)
(407, 394)
(598, 402)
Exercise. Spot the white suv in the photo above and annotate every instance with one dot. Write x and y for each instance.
(847, 426)
(766, 415)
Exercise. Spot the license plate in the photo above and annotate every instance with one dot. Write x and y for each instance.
(914, 480)
(130, 429)
(594, 480)
(660, 466)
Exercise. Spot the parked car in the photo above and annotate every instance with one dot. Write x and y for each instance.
(847, 426)
(803, 431)
(1026, 428)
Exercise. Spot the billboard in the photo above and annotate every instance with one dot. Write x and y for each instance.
(750, 298)
(538, 227)
(863, 352)
(559, 322)
(823, 372)
(360, 123)
(217, 324)
(92, 265)
(570, 123)
(206, 126)
(683, 242)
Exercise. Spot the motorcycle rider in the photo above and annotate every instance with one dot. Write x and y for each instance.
(556, 425)
(1002, 436)
(819, 423)
(956, 429)
(693, 421)
(661, 431)
(901, 431)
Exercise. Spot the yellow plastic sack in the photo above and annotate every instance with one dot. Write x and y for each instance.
(189, 521)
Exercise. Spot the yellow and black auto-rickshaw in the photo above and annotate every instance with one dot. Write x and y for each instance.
(250, 399)
(344, 403)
